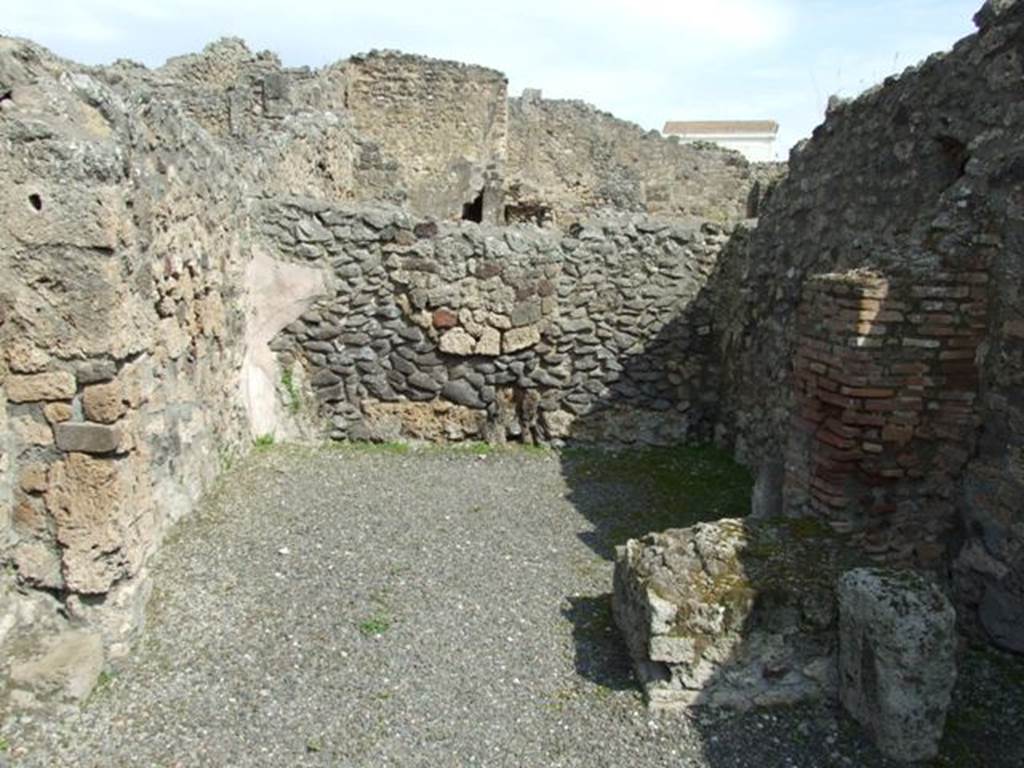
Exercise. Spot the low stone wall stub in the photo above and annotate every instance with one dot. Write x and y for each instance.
(734, 613)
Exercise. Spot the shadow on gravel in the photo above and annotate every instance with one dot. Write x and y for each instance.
(627, 492)
(601, 654)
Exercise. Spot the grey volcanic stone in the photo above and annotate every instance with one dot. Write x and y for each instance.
(420, 380)
(1002, 615)
(86, 437)
(897, 661)
(462, 392)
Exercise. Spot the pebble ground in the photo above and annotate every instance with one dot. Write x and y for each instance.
(356, 607)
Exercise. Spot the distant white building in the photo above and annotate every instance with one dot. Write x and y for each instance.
(754, 138)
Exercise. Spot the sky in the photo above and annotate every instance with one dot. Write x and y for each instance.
(643, 60)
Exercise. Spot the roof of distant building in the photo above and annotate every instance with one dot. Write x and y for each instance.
(720, 127)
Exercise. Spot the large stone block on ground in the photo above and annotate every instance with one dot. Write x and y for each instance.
(897, 661)
(734, 613)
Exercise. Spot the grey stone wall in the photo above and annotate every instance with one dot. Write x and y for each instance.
(917, 178)
(456, 330)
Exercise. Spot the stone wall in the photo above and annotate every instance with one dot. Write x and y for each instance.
(915, 179)
(189, 262)
(453, 330)
(433, 131)
(121, 331)
(566, 157)
(207, 252)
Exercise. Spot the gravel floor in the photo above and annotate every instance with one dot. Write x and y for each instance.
(369, 608)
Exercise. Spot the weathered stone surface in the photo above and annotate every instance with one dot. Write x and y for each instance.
(489, 343)
(87, 438)
(733, 613)
(519, 338)
(38, 564)
(33, 477)
(104, 403)
(100, 516)
(939, 224)
(24, 357)
(65, 667)
(462, 392)
(437, 421)
(57, 412)
(59, 385)
(897, 661)
(455, 300)
(1001, 613)
(651, 320)
(29, 431)
(457, 342)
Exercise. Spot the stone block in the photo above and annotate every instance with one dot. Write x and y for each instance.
(55, 413)
(33, 477)
(462, 392)
(39, 387)
(29, 431)
(444, 318)
(489, 343)
(85, 437)
(65, 667)
(520, 338)
(38, 565)
(897, 662)
(734, 613)
(25, 357)
(104, 403)
(1001, 613)
(103, 515)
(457, 342)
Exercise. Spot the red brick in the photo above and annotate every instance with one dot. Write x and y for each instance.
(882, 405)
(908, 368)
(828, 385)
(932, 318)
(940, 291)
(837, 400)
(957, 354)
(863, 419)
(445, 318)
(867, 392)
(939, 330)
(843, 430)
(830, 438)
(887, 316)
(898, 433)
(909, 341)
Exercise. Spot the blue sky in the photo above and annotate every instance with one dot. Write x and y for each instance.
(643, 60)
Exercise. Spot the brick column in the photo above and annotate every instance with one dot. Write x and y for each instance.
(884, 409)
